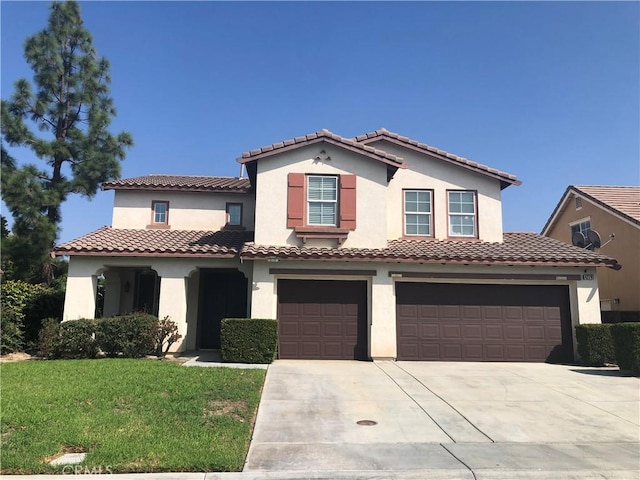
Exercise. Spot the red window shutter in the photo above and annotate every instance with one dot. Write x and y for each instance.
(348, 201)
(295, 200)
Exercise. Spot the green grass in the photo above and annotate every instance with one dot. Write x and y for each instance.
(129, 415)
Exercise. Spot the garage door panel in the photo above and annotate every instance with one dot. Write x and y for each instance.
(483, 322)
(322, 319)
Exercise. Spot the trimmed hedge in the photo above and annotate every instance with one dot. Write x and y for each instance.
(131, 336)
(595, 344)
(11, 336)
(626, 340)
(248, 340)
(73, 339)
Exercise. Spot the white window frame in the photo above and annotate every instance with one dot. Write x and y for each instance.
(155, 212)
(463, 214)
(428, 214)
(323, 201)
(580, 223)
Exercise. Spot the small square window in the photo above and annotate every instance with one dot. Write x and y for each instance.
(582, 227)
(160, 213)
(417, 212)
(234, 214)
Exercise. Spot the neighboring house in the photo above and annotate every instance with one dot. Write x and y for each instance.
(375, 247)
(614, 213)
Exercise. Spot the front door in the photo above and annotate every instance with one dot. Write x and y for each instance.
(223, 294)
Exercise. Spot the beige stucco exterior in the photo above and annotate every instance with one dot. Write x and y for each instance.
(187, 210)
(619, 290)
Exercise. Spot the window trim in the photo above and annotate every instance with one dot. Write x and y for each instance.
(475, 216)
(431, 213)
(580, 222)
(227, 222)
(336, 214)
(155, 224)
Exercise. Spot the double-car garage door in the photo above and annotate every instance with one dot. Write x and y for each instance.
(327, 319)
(495, 323)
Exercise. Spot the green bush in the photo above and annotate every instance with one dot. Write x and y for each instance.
(48, 337)
(47, 303)
(165, 331)
(11, 337)
(626, 340)
(76, 340)
(130, 335)
(248, 340)
(595, 344)
(16, 294)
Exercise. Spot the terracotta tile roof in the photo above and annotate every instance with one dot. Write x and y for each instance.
(623, 200)
(506, 178)
(183, 183)
(517, 249)
(322, 136)
(108, 241)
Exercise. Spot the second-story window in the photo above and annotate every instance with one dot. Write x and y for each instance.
(234, 214)
(322, 200)
(160, 213)
(462, 214)
(582, 226)
(417, 212)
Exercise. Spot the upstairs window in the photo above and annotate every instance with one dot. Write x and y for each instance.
(160, 214)
(322, 200)
(234, 214)
(417, 212)
(583, 227)
(462, 214)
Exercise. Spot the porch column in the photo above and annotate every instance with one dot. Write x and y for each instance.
(588, 298)
(383, 317)
(263, 292)
(173, 299)
(80, 297)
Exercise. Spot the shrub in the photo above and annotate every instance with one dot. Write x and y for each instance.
(130, 335)
(76, 340)
(165, 331)
(595, 344)
(248, 340)
(626, 340)
(11, 337)
(48, 337)
(16, 294)
(46, 303)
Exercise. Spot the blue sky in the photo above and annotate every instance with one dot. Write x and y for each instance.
(547, 91)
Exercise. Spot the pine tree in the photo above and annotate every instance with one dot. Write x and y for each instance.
(72, 108)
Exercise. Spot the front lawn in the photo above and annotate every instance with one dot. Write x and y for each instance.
(128, 415)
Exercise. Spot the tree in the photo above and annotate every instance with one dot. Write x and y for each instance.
(71, 105)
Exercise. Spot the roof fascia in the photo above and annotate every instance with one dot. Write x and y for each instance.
(172, 189)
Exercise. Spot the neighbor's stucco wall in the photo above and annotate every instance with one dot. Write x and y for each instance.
(271, 194)
(583, 294)
(187, 210)
(425, 172)
(622, 284)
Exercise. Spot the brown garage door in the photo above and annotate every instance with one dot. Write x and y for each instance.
(322, 319)
(511, 323)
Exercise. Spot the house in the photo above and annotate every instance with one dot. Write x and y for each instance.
(374, 247)
(614, 213)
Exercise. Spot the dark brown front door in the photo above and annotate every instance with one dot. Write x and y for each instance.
(223, 294)
(499, 323)
(322, 319)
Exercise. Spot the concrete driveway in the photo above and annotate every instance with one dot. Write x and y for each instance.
(446, 420)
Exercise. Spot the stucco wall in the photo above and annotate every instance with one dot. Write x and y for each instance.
(187, 210)
(271, 194)
(623, 284)
(426, 172)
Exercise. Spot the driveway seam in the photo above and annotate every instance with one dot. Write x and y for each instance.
(443, 400)
(414, 401)
(454, 456)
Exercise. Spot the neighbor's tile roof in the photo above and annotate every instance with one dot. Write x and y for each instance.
(108, 241)
(623, 200)
(183, 183)
(319, 136)
(517, 249)
(505, 177)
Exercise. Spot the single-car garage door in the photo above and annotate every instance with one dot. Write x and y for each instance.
(496, 323)
(322, 319)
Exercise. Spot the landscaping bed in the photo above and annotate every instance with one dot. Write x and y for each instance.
(128, 415)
